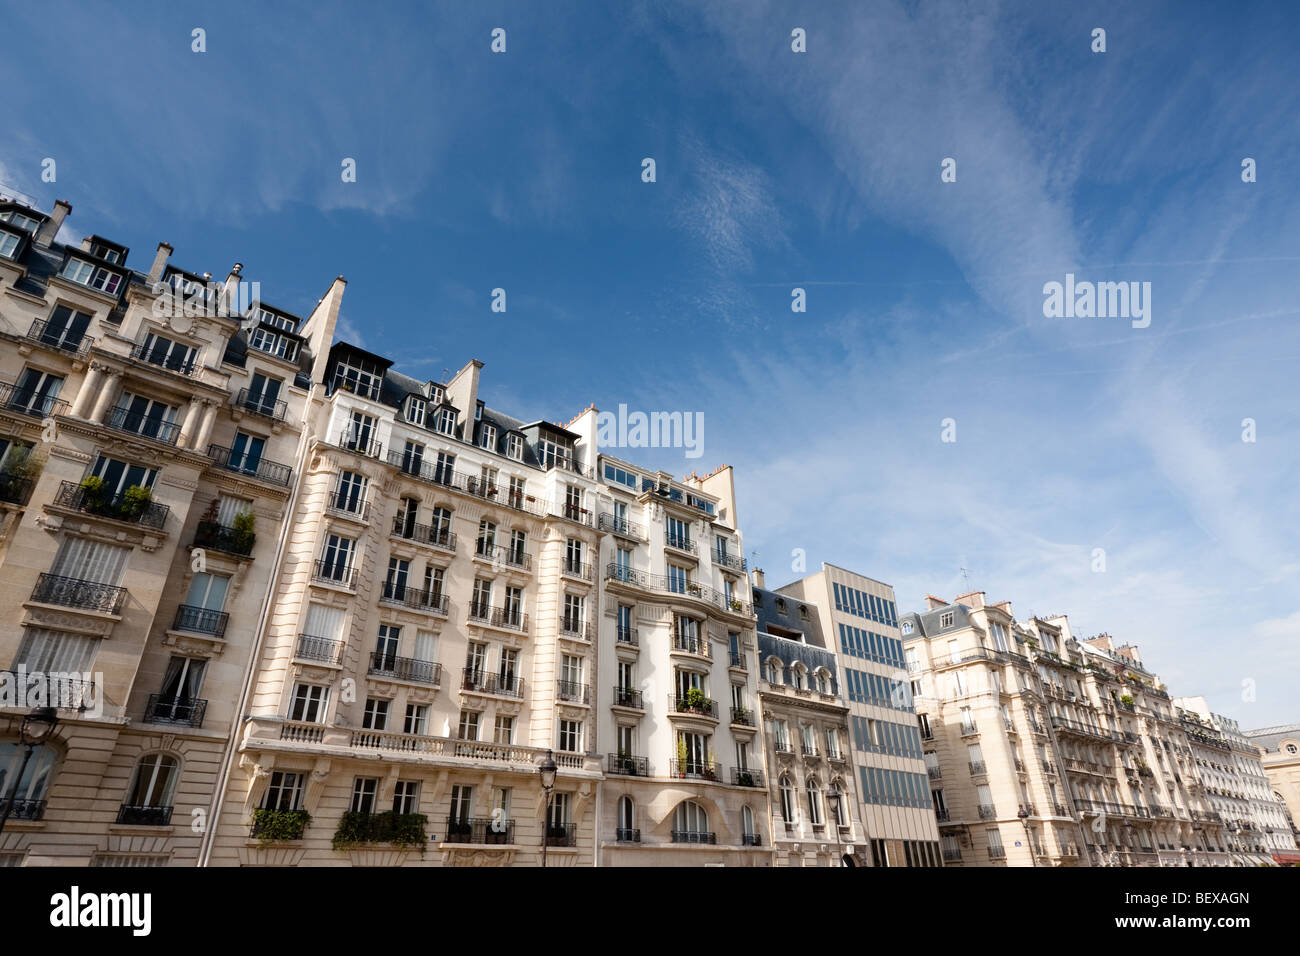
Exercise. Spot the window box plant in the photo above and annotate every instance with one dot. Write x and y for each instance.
(273, 826)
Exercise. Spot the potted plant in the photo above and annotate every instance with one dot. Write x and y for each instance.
(744, 778)
(244, 536)
(1126, 700)
(270, 826)
(736, 605)
(135, 501)
(92, 493)
(693, 589)
(681, 757)
(696, 701)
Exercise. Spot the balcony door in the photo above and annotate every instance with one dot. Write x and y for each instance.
(246, 452)
(145, 416)
(412, 457)
(119, 475)
(84, 560)
(337, 558)
(36, 391)
(263, 393)
(180, 689)
(386, 646)
(65, 328)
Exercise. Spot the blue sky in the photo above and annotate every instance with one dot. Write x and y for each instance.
(777, 170)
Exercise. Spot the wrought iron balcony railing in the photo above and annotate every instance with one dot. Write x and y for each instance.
(625, 835)
(628, 697)
(628, 765)
(694, 769)
(334, 572)
(619, 526)
(573, 691)
(252, 465)
(144, 816)
(219, 537)
(482, 682)
(481, 831)
(573, 627)
(509, 618)
(694, 836)
(200, 620)
(14, 489)
(731, 561)
(746, 777)
(576, 569)
(627, 635)
(175, 710)
(276, 409)
(742, 716)
(692, 645)
(177, 361)
(561, 834)
(657, 582)
(135, 423)
(61, 338)
(418, 599)
(704, 706)
(75, 592)
(26, 401)
(311, 648)
(405, 668)
(437, 537)
(680, 542)
(121, 506)
(368, 447)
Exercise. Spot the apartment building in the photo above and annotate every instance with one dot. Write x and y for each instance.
(676, 695)
(860, 622)
(805, 728)
(1256, 822)
(141, 414)
(1279, 750)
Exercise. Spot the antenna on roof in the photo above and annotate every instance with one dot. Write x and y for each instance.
(965, 576)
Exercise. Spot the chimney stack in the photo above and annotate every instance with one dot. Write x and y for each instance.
(50, 228)
(159, 261)
(759, 581)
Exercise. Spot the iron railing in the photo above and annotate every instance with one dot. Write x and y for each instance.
(561, 834)
(509, 618)
(334, 572)
(746, 777)
(120, 506)
(576, 569)
(405, 668)
(418, 599)
(481, 682)
(200, 620)
(572, 626)
(75, 592)
(693, 705)
(628, 697)
(424, 534)
(573, 691)
(692, 645)
(742, 716)
(144, 816)
(658, 582)
(627, 635)
(628, 765)
(210, 534)
(25, 401)
(276, 409)
(41, 332)
(312, 648)
(14, 489)
(59, 689)
(175, 710)
(149, 353)
(135, 423)
(694, 769)
(482, 831)
(732, 561)
(625, 835)
(620, 526)
(366, 447)
(694, 836)
(255, 467)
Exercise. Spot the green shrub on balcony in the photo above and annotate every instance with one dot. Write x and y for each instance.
(399, 829)
(92, 487)
(136, 501)
(244, 523)
(271, 826)
(695, 700)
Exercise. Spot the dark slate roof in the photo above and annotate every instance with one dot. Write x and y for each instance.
(1270, 738)
(790, 651)
(765, 606)
(926, 623)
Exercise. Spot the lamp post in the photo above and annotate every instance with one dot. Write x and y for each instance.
(833, 798)
(547, 769)
(33, 731)
(1024, 821)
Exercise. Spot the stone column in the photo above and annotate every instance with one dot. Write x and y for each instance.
(209, 419)
(106, 389)
(188, 427)
(89, 384)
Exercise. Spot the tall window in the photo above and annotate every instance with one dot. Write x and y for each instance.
(364, 790)
(571, 736)
(309, 704)
(406, 796)
(65, 328)
(515, 447)
(487, 437)
(626, 819)
(30, 790)
(815, 803)
(462, 798)
(350, 493)
(787, 800)
(284, 792)
(35, 392)
(690, 822)
(447, 421)
(180, 689)
(154, 781)
(336, 561)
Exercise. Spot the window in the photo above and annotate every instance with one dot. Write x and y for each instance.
(359, 434)
(26, 223)
(815, 803)
(276, 321)
(626, 820)
(363, 794)
(154, 781)
(35, 392)
(35, 781)
(284, 792)
(95, 277)
(415, 408)
(157, 350)
(273, 343)
(781, 736)
(55, 651)
(417, 719)
(840, 803)
(336, 561)
(616, 474)
(945, 619)
(398, 575)
(504, 731)
(515, 447)
(406, 796)
(571, 736)
(787, 801)
(84, 560)
(350, 492)
(924, 721)
(462, 798)
(180, 688)
(65, 328)
(445, 470)
(678, 533)
(207, 592)
(309, 703)
(375, 716)
(447, 421)
(145, 416)
(246, 453)
(690, 823)
(832, 743)
(553, 455)
(468, 728)
(678, 579)
(487, 437)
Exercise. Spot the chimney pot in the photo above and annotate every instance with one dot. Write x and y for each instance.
(159, 261)
(50, 228)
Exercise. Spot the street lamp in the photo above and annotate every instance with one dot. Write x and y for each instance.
(547, 769)
(33, 731)
(1024, 821)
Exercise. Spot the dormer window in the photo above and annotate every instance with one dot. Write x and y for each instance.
(106, 253)
(8, 245)
(26, 223)
(276, 321)
(803, 612)
(355, 375)
(415, 408)
(447, 421)
(945, 619)
(780, 605)
(436, 394)
(478, 412)
(273, 343)
(487, 437)
(554, 455)
(94, 277)
(515, 447)
(907, 627)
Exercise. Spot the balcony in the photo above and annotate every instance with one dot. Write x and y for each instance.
(400, 829)
(176, 362)
(941, 815)
(349, 507)
(366, 388)
(695, 836)
(200, 620)
(578, 570)
(14, 489)
(952, 854)
(417, 599)
(574, 629)
(731, 562)
(485, 832)
(680, 543)
(187, 712)
(751, 839)
(271, 825)
(627, 635)
(364, 446)
(219, 537)
(273, 409)
(1028, 808)
(441, 538)
(987, 811)
(334, 572)
(123, 506)
(659, 583)
(83, 595)
(480, 682)
(561, 834)
(76, 344)
(693, 770)
(695, 703)
(27, 402)
(746, 777)
(26, 810)
(742, 716)
(404, 668)
(737, 661)
(628, 697)
(573, 692)
(1048, 766)
(144, 816)
(968, 730)
(623, 835)
(977, 768)
(619, 526)
(133, 423)
(311, 648)
(510, 619)
(628, 765)
(503, 555)
(692, 645)
(997, 853)
(934, 773)
(252, 466)
(573, 513)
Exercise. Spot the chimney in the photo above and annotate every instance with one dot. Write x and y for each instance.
(759, 581)
(50, 228)
(972, 599)
(159, 261)
(932, 602)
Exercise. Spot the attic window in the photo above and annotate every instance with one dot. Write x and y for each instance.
(907, 627)
(435, 393)
(780, 605)
(945, 619)
(803, 611)
(26, 223)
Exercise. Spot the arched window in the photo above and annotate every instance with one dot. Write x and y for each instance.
(839, 804)
(823, 681)
(154, 781)
(627, 832)
(691, 824)
(772, 671)
(814, 802)
(747, 825)
(797, 674)
(787, 800)
(29, 792)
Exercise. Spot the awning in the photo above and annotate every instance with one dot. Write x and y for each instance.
(1287, 859)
